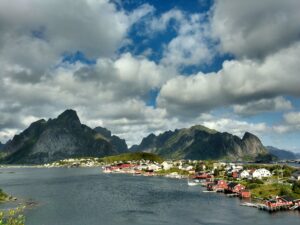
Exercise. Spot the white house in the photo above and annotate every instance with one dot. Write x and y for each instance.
(154, 167)
(245, 174)
(187, 168)
(296, 175)
(166, 165)
(218, 165)
(261, 173)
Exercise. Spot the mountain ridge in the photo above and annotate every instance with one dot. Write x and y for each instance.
(199, 142)
(282, 154)
(63, 137)
(118, 143)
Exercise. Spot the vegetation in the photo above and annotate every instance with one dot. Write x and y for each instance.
(132, 156)
(12, 217)
(270, 190)
(173, 170)
(3, 196)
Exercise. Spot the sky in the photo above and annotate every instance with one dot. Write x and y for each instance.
(137, 66)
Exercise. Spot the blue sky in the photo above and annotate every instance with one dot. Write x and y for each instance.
(138, 67)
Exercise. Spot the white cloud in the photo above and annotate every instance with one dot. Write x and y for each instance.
(236, 127)
(263, 105)
(290, 123)
(256, 28)
(239, 82)
(190, 46)
(159, 24)
(292, 118)
(35, 34)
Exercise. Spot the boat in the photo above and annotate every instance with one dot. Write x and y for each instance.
(249, 204)
(191, 183)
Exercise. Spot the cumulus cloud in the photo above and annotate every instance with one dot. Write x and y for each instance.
(236, 127)
(255, 28)
(190, 47)
(35, 34)
(291, 123)
(263, 105)
(239, 82)
(292, 118)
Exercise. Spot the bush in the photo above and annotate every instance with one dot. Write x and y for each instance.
(285, 191)
(3, 196)
(252, 186)
(255, 181)
(12, 217)
(296, 187)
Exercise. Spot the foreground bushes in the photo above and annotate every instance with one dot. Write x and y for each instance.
(12, 217)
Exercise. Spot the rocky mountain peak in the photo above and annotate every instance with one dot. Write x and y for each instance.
(55, 139)
(68, 118)
(249, 136)
(68, 115)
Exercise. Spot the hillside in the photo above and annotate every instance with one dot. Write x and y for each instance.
(64, 137)
(132, 156)
(118, 144)
(280, 153)
(199, 142)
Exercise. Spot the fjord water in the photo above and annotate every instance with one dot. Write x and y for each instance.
(86, 196)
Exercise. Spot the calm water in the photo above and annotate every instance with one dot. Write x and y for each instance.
(87, 197)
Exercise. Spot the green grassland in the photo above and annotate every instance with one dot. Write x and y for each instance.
(131, 157)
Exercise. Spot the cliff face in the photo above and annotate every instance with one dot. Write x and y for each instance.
(117, 143)
(55, 139)
(199, 142)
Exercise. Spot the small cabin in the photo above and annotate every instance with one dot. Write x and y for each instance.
(245, 193)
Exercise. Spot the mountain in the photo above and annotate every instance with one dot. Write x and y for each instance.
(64, 137)
(199, 142)
(280, 153)
(1, 145)
(117, 143)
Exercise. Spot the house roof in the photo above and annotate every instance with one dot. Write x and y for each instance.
(287, 198)
(232, 184)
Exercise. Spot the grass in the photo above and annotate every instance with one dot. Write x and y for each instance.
(172, 170)
(12, 217)
(3, 196)
(131, 157)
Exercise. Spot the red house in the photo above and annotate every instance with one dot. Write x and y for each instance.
(245, 193)
(221, 185)
(203, 176)
(280, 202)
(234, 188)
(235, 174)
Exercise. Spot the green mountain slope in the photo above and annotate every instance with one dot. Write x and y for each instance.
(55, 139)
(199, 142)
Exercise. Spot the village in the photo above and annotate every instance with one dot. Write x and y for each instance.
(270, 187)
(250, 182)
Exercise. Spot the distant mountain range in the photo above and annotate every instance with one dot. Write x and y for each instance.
(282, 154)
(64, 137)
(1, 145)
(199, 142)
